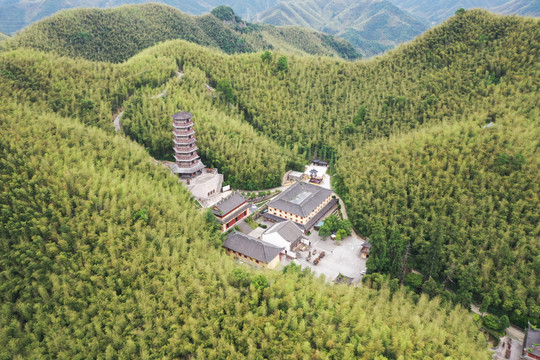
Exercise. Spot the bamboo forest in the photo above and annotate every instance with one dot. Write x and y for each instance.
(433, 148)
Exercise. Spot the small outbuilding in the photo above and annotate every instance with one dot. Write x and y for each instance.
(366, 247)
(285, 234)
(319, 162)
(295, 176)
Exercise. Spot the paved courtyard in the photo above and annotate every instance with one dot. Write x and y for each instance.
(343, 258)
(515, 349)
(321, 170)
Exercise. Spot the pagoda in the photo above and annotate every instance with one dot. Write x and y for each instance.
(188, 162)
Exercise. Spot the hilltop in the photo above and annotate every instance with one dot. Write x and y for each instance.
(17, 14)
(372, 26)
(119, 33)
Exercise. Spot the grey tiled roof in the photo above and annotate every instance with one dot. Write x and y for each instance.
(300, 199)
(287, 230)
(182, 115)
(532, 338)
(332, 204)
(233, 214)
(228, 204)
(251, 247)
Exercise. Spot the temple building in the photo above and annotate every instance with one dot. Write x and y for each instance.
(302, 203)
(246, 248)
(231, 210)
(531, 345)
(188, 162)
(205, 184)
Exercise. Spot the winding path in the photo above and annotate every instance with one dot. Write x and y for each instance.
(117, 123)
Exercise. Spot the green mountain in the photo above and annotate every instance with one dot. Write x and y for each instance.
(372, 26)
(117, 34)
(437, 11)
(475, 69)
(3, 37)
(105, 254)
(17, 14)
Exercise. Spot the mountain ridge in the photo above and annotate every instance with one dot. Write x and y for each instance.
(118, 33)
(370, 25)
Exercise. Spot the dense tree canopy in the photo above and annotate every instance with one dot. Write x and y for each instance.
(117, 34)
(105, 255)
(421, 172)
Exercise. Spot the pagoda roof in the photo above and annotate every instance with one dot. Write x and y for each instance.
(182, 115)
(190, 170)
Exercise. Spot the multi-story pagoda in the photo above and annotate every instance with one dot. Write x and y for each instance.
(188, 162)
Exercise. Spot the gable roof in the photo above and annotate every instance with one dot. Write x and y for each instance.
(228, 204)
(251, 247)
(300, 199)
(288, 230)
(532, 341)
(182, 115)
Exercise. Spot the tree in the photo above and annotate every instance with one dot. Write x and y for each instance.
(340, 234)
(360, 116)
(486, 302)
(282, 64)
(504, 322)
(430, 287)
(266, 57)
(460, 11)
(225, 90)
(260, 282)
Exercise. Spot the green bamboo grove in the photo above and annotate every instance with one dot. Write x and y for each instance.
(435, 153)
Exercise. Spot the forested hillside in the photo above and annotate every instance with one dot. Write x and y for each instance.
(474, 70)
(3, 37)
(117, 34)
(372, 26)
(459, 203)
(424, 104)
(105, 255)
(17, 14)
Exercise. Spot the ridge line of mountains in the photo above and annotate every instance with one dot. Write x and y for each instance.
(371, 26)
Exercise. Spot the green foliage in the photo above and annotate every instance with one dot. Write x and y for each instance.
(117, 34)
(266, 57)
(225, 13)
(430, 287)
(292, 268)
(225, 90)
(413, 280)
(142, 215)
(78, 275)
(491, 322)
(333, 225)
(360, 116)
(260, 282)
(460, 11)
(420, 176)
(282, 64)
